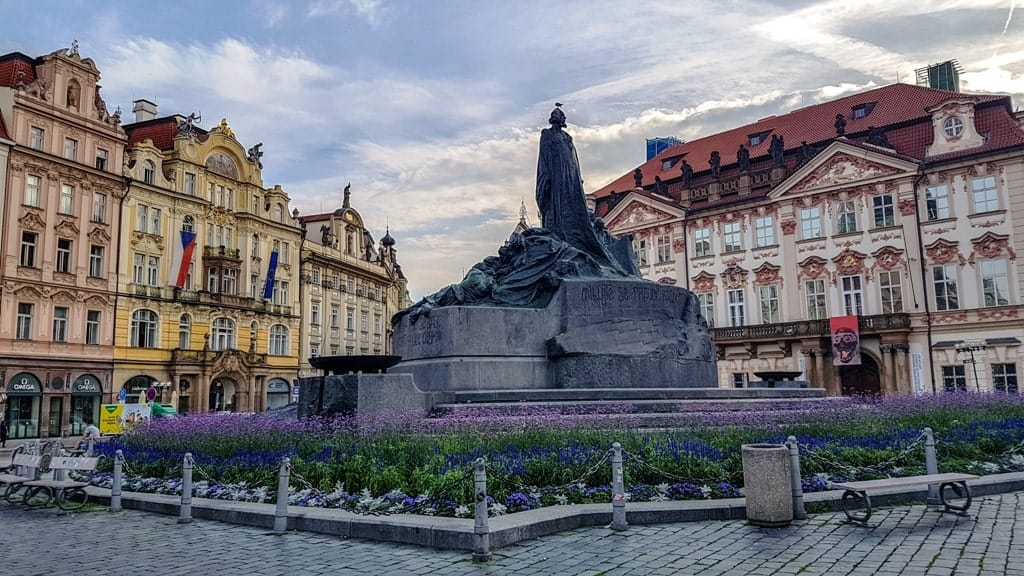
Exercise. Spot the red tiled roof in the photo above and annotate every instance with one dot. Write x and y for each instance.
(901, 109)
(11, 64)
(3, 129)
(160, 130)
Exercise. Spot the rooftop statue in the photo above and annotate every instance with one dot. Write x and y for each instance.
(571, 243)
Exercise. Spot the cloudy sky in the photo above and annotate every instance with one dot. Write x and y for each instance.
(432, 109)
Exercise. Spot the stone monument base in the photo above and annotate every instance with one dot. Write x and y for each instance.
(593, 334)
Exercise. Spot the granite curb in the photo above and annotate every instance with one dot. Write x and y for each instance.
(509, 529)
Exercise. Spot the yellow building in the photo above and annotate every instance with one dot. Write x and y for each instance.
(208, 298)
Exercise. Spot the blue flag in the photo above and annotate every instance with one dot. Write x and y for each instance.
(268, 288)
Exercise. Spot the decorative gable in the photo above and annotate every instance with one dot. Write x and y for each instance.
(66, 229)
(636, 213)
(842, 169)
(953, 127)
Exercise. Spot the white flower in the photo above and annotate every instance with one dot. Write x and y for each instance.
(462, 511)
(497, 509)
(1017, 460)
(705, 491)
(561, 499)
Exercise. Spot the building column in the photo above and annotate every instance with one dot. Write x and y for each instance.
(903, 383)
(885, 371)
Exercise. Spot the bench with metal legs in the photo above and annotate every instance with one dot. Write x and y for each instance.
(857, 503)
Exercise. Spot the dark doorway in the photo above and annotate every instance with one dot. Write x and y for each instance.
(863, 380)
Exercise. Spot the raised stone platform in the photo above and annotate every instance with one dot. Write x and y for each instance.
(593, 334)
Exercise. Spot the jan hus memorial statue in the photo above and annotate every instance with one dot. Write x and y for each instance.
(560, 306)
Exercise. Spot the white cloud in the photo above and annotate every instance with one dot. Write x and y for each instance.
(374, 12)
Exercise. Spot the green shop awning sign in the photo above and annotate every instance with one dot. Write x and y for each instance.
(87, 385)
(24, 384)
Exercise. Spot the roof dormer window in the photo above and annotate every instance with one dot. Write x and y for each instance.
(667, 163)
(953, 126)
(755, 139)
(863, 110)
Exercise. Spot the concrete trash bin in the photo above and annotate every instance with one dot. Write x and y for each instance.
(767, 484)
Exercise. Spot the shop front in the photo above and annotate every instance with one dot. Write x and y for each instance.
(135, 388)
(24, 401)
(86, 397)
(278, 393)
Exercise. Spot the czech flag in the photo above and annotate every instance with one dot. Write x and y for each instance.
(268, 288)
(182, 258)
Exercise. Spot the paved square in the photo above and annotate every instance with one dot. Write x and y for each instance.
(908, 540)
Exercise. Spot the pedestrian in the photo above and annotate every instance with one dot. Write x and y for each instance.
(3, 433)
(89, 437)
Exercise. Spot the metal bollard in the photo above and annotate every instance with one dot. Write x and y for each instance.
(931, 465)
(281, 511)
(798, 489)
(58, 452)
(115, 488)
(90, 447)
(482, 546)
(186, 489)
(618, 490)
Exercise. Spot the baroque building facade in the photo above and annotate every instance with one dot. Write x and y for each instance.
(351, 287)
(902, 206)
(61, 153)
(208, 306)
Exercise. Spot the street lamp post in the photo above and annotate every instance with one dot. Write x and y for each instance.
(968, 348)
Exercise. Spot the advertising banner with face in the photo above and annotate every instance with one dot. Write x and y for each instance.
(845, 340)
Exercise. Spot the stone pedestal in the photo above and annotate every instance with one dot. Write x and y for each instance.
(363, 394)
(593, 334)
(767, 484)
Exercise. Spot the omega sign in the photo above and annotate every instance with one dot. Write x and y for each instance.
(86, 384)
(24, 384)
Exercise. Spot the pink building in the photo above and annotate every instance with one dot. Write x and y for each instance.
(61, 212)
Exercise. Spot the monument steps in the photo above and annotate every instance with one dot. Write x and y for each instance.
(654, 406)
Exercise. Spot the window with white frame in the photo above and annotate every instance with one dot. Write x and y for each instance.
(99, 208)
(223, 337)
(954, 378)
(277, 214)
(885, 211)
(212, 279)
(350, 319)
(846, 217)
(983, 193)
(280, 295)
(769, 296)
(188, 224)
(70, 149)
(377, 323)
(92, 326)
(707, 307)
(995, 284)
(314, 313)
(147, 219)
(737, 308)
(936, 199)
(764, 230)
(148, 172)
(1004, 378)
(702, 242)
(853, 297)
(810, 223)
(256, 245)
(153, 270)
(334, 316)
(36, 138)
(664, 249)
(731, 237)
(286, 253)
(60, 324)
(889, 284)
(944, 284)
(144, 329)
(96, 254)
(33, 185)
(190, 184)
(101, 159)
(640, 251)
(815, 299)
(314, 276)
(278, 340)
(63, 263)
(67, 199)
(229, 281)
(23, 330)
(314, 350)
(29, 241)
(185, 332)
(739, 379)
(364, 322)
(254, 286)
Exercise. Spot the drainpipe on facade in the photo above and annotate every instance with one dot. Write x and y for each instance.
(924, 269)
(117, 275)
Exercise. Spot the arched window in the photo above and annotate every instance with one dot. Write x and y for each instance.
(278, 214)
(223, 334)
(278, 340)
(144, 329)
(185, 332)
(148, 172)
(188, 224)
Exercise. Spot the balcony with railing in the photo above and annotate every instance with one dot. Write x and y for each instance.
(222, 252)
(808, 328)
(211, 356)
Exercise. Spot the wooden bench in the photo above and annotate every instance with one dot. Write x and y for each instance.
(23, 468)
(66, 493)
(859, 490)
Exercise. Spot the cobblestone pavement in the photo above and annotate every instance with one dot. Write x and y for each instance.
(907, 540)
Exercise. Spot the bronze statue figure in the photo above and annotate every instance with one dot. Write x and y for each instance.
(716, 163)
(777, 150)
(743, 158)
(638, 178)
(840, 125)
(687, 171)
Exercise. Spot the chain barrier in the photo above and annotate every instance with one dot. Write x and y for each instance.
(533, 489)
(883, 467)
(665, 474)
